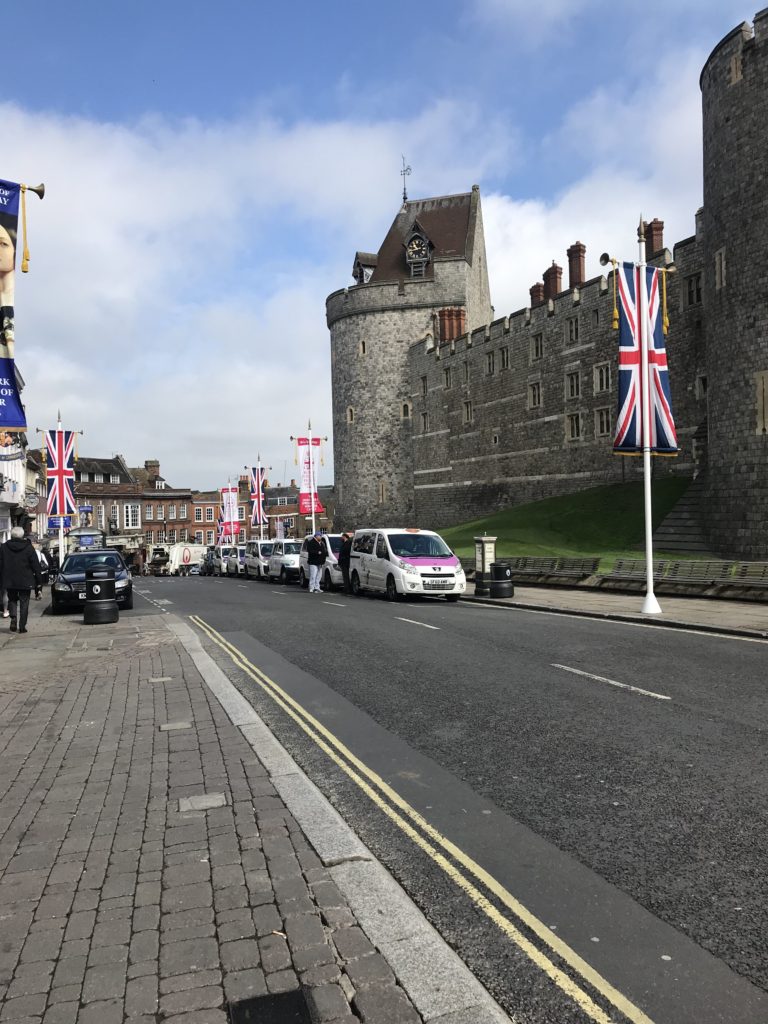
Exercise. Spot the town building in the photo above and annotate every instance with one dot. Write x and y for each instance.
(443, 413)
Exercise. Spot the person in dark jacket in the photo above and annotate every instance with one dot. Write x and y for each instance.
(316, 554)
(345, 557)
(19, 573)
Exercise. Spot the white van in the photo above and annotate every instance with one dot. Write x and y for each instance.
(284, 560)
(331, 575)
(405, 561)
(219, 561)
(257, 554)
(235, 564)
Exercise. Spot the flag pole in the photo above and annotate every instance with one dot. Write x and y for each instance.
(61, 511)
(650, 605)
(311, 476)
(259, 499)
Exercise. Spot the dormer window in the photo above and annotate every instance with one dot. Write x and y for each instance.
(364, 266)
(417, 253)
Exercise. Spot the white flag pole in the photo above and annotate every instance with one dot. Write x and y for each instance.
(259, 491)
(650, 605)
(311, 477)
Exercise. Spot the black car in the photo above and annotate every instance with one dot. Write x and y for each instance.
(68, 590)
(207, 568)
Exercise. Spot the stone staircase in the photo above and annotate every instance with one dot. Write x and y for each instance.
(681, 530)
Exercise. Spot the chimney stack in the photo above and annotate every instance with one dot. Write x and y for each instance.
(576, 265)
(654, 236)
(553, 280)
(453, 323)
(537, 294)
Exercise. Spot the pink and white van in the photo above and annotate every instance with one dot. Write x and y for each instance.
(405, 561)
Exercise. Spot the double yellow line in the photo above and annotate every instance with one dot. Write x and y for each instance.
(398, 810)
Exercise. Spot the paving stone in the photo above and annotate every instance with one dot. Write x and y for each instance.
(28, 985)
(141, 997)
(108, 1011)
(146, 918)
(186, 918)
(384, 1004)
(199, 1017)
(62, 1013)
(144, 946)
(197, 979)
(338, 917)
(203, 802)
(267, 920)
(186, 897)
(143, 969)
(274, 952)
(103, 982)
(282, 981)
(174, 726)
(100, 955)
(241, 985)
(189, 955)
(326, 1002)
(80, 926)
(352, 943)
(208, 997)
(70, 971)
(43, 945)
(325, 974)
(313, 956)
(369, 970)
(186, 874)
(306, 930)
(24, 1006)
(232, 898)
(240, 955)
(327, 895)
(65, 994)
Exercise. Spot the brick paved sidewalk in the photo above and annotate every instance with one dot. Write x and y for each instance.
(121, 901)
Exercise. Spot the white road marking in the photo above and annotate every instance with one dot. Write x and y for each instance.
(416, 623)
(613, 682)
(157, 604)
(163, 600)
(280, 593)
(242, 586)
(335, 604)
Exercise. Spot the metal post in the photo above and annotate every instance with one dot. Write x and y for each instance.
(650, 604)
(61, 511)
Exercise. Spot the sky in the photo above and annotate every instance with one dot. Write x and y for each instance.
(211, 170)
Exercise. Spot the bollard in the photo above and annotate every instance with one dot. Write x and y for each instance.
(501, 580)
(100, 604)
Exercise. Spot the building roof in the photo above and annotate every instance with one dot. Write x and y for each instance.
(107, 467)
(446, 222)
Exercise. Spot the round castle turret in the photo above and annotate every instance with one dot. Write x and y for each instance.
(432, 259)
(734, 85)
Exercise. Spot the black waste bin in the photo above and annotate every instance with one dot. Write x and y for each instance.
(481, 584)
(501, 580)
(100, 604)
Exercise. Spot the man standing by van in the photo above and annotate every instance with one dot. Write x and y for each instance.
(345, 557)
(316, 560)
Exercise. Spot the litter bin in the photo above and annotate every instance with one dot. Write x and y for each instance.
(100, 604)
(501, 580)
(481, 584)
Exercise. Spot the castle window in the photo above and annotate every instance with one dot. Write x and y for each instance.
(595, 317)
(504, 352)
(573, 426)
(602, 377)
(405, 412)
(602, 422)
(693, 290)
(447, 377)
(720, 269)
(424, 422)
(382, 492)
(761, 381)
(495, 439)
(572, 330)
(469, 413)
(350, 414)
(424, 387)
(466, 373)
(534, 395)
(734, 69)
(362, 347)
(701, 386)
(490, 362)
(573, 384)
(537, 347)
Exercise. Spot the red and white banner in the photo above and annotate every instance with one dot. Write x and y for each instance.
(308, 492)
(229, 522)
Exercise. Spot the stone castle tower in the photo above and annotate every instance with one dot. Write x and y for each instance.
(734, 85)
(429, 279)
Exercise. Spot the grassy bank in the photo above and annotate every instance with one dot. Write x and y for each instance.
(603, 521)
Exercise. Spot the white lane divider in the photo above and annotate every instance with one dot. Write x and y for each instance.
(414, 622)
(335, 604)
(149, 600)
(613, 682)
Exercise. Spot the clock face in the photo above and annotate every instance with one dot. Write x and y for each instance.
(417, 249)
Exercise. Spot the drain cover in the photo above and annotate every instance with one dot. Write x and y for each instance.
(281, 1008)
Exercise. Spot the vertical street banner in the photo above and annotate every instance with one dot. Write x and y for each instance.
(12, 416)
(229, 523)
(308, 492)
(258, 515)
(60, 472)
(631, 415)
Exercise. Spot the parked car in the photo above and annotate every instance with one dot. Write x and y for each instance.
(235, 563)
(284, 561)
(206, 563)
(257, 554)
(331, 575)
(194, 569)
(405, 561)
(68, 590)
(220, 556)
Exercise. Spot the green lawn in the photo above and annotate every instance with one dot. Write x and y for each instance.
(603, 521)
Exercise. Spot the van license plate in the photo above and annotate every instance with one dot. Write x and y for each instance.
(438, 584)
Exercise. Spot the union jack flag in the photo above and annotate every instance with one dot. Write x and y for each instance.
(60, 472)
(662, 437)
(258, 515)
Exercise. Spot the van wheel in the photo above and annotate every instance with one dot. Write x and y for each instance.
(392, 594)
(327, 582)
(357, 590)
(453, 598)
(283, 577)
(246, 573)
(303, 581)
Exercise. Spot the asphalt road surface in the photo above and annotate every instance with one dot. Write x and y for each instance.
(579, 807)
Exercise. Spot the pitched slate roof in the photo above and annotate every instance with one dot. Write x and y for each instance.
(445, 220)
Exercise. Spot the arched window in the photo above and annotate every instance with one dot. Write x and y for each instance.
(350, 414)
(405, 411)
(362, 347)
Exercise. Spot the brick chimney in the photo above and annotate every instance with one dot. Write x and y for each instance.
(576, 264)
(553, 281)
(152, 467)
(654, 236)
(453, 323)
(537, 294)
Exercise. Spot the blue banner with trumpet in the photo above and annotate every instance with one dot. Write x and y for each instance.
(11, 410)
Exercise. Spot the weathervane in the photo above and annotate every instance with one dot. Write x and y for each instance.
(405, 171)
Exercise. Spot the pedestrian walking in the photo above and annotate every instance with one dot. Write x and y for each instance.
(19, 573)
(345, 557)
(316, 554)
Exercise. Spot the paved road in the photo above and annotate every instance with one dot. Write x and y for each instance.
(609, 777)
